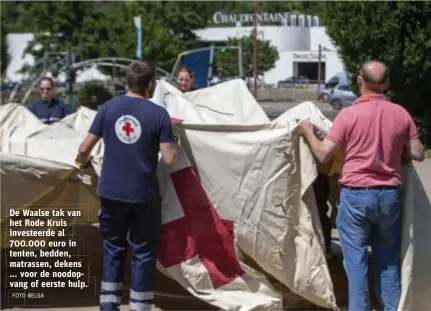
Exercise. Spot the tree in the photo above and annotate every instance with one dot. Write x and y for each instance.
(397, 33)
(4, 49)
(6, 13)
(9, 16)
(227, 61)
(116, 34)
(92, 95)
(60, 27)
(181, 18)
(106, 29)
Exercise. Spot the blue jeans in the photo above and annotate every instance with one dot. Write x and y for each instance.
(371, 217)
(143, 220)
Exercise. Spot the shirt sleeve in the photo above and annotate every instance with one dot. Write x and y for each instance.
(166, 133)
(96, 127)
(338, 131)
(412, 131)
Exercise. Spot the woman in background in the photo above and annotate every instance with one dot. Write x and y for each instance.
(185, 80)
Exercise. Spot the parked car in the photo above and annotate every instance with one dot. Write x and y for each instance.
(340, 78)
(324, 93)
(341, 96)
(8, 86)
(298, 81)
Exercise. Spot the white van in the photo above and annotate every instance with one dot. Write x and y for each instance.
(340, 78)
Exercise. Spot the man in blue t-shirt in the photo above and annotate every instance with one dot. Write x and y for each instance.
(134, 130)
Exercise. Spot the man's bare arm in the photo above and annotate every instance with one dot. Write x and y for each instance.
(86, 147)
(414, 150)
(169, 153)
(324, 149)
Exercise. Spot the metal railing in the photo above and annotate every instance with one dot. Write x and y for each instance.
(61, 66)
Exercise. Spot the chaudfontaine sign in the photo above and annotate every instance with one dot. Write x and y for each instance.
(287, 19)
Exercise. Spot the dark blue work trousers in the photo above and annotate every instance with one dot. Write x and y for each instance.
(143, 220)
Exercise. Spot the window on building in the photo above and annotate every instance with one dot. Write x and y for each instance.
(310, 70)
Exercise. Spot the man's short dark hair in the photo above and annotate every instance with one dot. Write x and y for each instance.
(49, 79)
(139, 75)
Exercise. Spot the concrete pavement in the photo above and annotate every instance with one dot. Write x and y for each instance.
(424, 172)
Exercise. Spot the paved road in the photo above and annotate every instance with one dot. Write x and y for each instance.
(424, 170)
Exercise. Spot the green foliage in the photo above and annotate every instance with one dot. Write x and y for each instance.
(59, 26)
(5, 26)
(92, 94)
(4, 58)
(159, 44)
(10, 15)
(181, 18)
(423, 122)
(106, 29)
(397, 33)
(227, 61)
(194, 13)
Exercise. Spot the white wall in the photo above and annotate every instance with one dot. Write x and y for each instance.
(333, 65)
(284, 38)
(287, 40)
(284, 67)
(319, 36)
(17, 43)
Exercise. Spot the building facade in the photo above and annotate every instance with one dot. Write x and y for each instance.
(296, 37)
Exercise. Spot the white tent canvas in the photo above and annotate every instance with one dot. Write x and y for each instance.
(243, 183)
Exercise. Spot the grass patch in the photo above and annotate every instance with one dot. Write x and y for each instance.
(428, 154)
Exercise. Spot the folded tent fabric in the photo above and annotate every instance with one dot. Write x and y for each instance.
(221, 122)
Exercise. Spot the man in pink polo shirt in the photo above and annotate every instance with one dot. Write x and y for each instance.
(373, 134)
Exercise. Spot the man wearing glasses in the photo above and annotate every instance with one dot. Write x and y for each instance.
(47, 108)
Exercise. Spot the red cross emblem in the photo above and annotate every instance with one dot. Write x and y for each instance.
(128, 129)
(200, 233)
